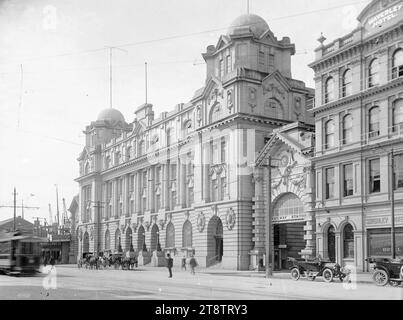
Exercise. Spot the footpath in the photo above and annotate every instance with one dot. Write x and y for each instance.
(360, 277)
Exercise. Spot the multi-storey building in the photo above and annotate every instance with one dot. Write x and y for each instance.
(359, 128)
(182, 182)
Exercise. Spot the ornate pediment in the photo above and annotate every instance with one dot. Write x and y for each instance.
(275, 86)
(375, 7)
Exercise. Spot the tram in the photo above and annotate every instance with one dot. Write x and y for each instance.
(19, 254)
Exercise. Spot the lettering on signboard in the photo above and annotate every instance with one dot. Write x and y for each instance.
(385, 16)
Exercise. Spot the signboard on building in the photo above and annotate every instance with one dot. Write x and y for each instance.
(384, 19)
(383, 221)
(379, 243)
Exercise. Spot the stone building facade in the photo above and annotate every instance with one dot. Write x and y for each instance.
(183, 182)
(359, 122)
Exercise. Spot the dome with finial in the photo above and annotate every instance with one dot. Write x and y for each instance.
(257, 25)
(111, 115)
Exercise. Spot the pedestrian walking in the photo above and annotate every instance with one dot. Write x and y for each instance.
(170, 263)
(183, 263)
(193, 264)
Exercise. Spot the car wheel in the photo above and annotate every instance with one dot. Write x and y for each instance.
(328, 275)
(380, 277)
(295, 274)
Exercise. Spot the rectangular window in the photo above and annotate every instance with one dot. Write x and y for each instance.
(158, 202)
(223, 150)
(271, 60)
(348, 180)
(261, 57)
(374, 176)
(173, 172)
(221, 68)
(330, 183)
(398, 178)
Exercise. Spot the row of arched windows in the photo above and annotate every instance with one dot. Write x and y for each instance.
(373, 77)
(169, 238)
(373, 124)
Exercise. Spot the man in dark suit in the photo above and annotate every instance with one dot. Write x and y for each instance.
(170, 263)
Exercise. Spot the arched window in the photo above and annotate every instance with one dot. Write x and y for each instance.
(170, 236)
(347, 83)
(331, 244)
(348, 242)
(329, 90)
(329, 134)
(373, 73)
(187, 235)
(347, 129)
(373, 120)
(397, 116)
(397, 64)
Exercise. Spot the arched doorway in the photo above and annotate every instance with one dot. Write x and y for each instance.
(348, 241)
(154, 238)
(215, 241)
(128, 242)
(331, 244)
(118, 245)
(141, 236)
(107, 240)
(288, 229)
(86, 243)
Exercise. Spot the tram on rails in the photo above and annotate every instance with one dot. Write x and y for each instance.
(19, 254)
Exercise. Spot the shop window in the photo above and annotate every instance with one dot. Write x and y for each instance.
(329, 90)
(330, 183)
(347, 129)
(373, 119)
(373, 73)
(375, 176)
(348, 242)
(329, 134)
(397, 64)
(348, 180)
(347, 83)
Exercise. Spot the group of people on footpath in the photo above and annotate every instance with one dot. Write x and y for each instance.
(192, 263)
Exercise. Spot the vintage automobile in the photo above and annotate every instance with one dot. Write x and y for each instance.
(386, 270)
(311, 269)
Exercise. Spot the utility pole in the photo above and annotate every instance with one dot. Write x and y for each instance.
(57, 207)
(146, 85)
(14, 206)
(392, 199)
(98, 224)
(269, 235)
(110, 72)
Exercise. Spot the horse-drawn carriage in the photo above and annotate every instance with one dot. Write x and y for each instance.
(386, 270)
(311, 269)
(105, 260)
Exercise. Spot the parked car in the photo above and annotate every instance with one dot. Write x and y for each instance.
(311, 269)
(386, 270)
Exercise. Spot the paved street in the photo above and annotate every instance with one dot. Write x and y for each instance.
(153, 283)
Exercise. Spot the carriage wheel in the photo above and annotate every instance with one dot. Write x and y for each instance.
(380, 277)
(328, 275)
(295, 274)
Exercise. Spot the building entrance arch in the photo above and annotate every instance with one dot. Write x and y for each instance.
(288, 229)
(215, 241)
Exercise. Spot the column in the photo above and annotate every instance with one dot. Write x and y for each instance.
(166, 185)
(206, 172)
(114, 198)
(138, 192)
(125, 195)
(150, 186)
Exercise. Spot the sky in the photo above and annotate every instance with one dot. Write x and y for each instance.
(54, 72)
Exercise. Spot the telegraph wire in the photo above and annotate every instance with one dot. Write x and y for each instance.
(176, 36)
